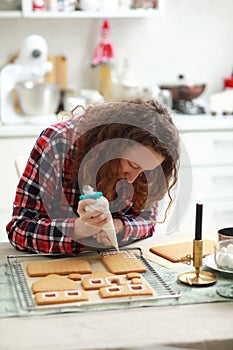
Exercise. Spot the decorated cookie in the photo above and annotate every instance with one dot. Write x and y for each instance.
(69, 296)
(100, 279)
(122, 262)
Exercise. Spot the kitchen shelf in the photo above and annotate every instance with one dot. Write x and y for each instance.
(85, 14)
(27, 12)
(10, 14)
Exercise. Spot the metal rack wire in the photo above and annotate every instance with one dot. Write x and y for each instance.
(26, 302)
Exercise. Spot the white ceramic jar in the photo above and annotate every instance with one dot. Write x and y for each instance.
(89, 5)
(109, 6)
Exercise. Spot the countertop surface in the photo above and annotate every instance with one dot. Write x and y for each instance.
(185, 123)
(196, 326)
(188, 123)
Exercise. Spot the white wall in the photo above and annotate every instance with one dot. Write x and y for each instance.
(193, 37)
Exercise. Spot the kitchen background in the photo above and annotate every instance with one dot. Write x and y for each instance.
(193, 38)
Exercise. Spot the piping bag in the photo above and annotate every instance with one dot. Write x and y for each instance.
(101, 202)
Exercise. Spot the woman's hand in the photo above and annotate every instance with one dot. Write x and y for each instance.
(97, 217)
(90, 221)
(102, 237)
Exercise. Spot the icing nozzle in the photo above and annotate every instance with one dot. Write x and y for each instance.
(95, 195)
(90, 193)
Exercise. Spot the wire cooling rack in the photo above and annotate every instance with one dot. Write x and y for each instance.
(26, 300)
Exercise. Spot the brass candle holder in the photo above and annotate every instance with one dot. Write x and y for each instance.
(196, 278)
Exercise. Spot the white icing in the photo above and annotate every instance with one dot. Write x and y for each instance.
(97, 280)
(72, 293)
(136, 287)
(50, 295)
(113, 289)
(124, 253)
(116, 279)
(129, 255)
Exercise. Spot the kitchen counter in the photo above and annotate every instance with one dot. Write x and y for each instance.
(185, 123)
(196, 326)
(21, 130)
(202, 122)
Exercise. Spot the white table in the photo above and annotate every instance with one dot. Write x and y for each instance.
(199, 326)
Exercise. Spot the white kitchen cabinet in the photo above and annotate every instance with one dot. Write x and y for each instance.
(10, 149)
(27, 12)
(209, 148)
(211, 164)
(10, 14)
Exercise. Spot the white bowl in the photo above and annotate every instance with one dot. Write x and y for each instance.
(223, 254)
(225, 233)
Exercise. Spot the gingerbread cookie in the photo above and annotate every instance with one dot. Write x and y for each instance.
(127, 290)
(132, 275)
(53, 283)
(122, 262)
(58, 266)
(136, 280)
(100, 279)
(75, 276)
(175, 252)
(69, 296)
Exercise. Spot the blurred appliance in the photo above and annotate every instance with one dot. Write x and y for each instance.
(10, 5)
(31, 65)
(184, 95)
(38, 98)
(82, 97)
(154, 92)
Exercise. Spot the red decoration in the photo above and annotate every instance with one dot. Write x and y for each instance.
(104, 51)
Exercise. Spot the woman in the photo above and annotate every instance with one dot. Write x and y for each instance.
(128, 150)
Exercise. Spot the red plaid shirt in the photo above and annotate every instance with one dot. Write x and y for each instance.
(45, 206)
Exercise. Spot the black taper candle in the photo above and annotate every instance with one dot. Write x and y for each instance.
(198, 228)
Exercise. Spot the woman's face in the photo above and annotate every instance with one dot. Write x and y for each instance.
(136, 159)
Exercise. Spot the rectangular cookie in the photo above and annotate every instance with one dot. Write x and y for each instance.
(69, 296)
(58, 266)
(130, 290)
(122, 262)
(176, 251)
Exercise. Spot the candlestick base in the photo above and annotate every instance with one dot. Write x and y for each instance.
(202, 279)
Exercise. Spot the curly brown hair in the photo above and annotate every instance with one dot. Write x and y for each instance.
(105, 131)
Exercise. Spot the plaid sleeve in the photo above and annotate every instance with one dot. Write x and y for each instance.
(138, 226)
(43, 220)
